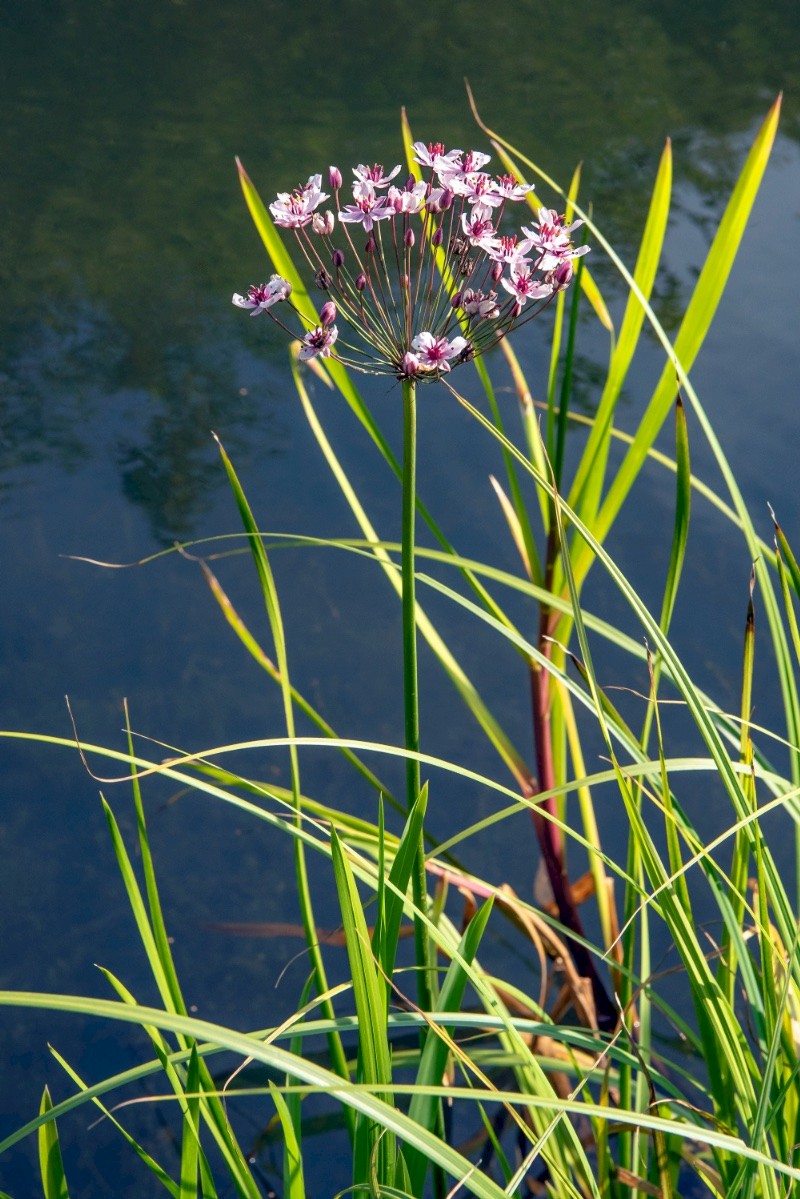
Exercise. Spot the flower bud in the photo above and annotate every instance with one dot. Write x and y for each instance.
(338, 259)
(561, 276)
(437, 238)
(408, 238)
(404, 282)
(410, 366)
(411, 183)
(322, 223)
(455, 300)
(446, 199)
(361, 281)
(371, 245)
(497, 271)
(328, 313)
(335, 178)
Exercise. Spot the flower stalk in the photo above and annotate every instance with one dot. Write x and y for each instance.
(419, 278)
(411, 683)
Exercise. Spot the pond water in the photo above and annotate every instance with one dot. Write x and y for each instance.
(124, 235)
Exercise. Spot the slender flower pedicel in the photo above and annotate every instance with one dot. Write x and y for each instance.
(422, 276)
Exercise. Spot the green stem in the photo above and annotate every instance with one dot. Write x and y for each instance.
(410, 683)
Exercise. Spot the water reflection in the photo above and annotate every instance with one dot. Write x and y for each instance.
(125, 231)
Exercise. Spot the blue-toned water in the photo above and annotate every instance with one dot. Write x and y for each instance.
(123, 236)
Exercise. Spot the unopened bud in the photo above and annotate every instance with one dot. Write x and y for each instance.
(404, 282)
(335, 178)
(562, 274)
(455, 300)
(328, 313)
(438, 237)
(411, 183)
(371, 245)
(408, 238)
(361, 281)
(323, 223)
(338, 260)
(497, 271)
(446, 199)
(410, 366)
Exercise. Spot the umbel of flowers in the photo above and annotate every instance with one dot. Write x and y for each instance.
(420, 276)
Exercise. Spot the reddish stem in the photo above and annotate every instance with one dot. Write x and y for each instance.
(547, 832)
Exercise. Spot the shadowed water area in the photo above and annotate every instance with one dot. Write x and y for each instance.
(123, 236)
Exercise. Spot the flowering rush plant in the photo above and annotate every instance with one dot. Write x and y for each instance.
(424, 274)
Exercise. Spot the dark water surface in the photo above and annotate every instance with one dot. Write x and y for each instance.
(123, 236)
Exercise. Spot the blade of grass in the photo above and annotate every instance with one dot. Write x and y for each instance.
(374, 1058)
(424, 1108)
(152, 1165)
(293, 1183)
(270, 594)
(51, 1164)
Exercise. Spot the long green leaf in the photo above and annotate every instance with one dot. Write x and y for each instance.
(374, 1056)
(293, 1183)
(699, 314)
(190, 1143)
(387, 933)
(51, 1165)
(591, 468)
(272, 603)
(424, 1107)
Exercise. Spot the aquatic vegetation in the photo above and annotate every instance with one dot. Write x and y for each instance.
(570, 1083)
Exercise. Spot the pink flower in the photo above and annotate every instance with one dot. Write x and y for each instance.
(552, 239)
(262, 296)
(292, 210)
(434, 352)
(509, 250)
(478, 188)
(375, 175)
(407, 200)
(478, 227)
(456, 167)
(368, 207)
(433, 155)
(475, 303)
(318, 343)
(509, 189)
(523, 286)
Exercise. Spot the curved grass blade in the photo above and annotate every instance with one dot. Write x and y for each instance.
(152, 1165)
(270, 594)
